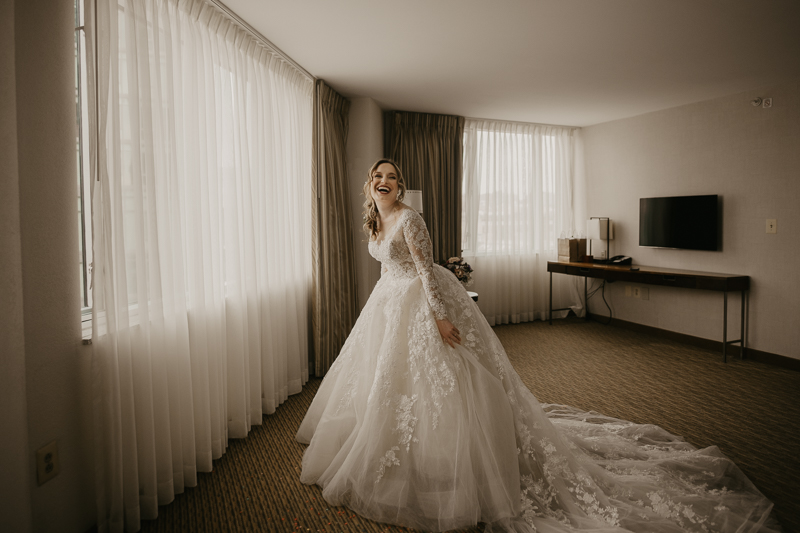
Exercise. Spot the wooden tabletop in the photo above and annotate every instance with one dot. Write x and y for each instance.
(690, 279)
(646, 269)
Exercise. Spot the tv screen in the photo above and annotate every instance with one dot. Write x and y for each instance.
(687, 222)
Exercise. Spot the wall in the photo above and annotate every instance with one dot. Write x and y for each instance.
(364, 147)
(748, 155)
(15, 508)
(40, 273)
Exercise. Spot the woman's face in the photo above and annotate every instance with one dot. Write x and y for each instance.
(384, 186)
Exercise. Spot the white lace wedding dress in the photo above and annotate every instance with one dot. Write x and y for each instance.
(407, 430)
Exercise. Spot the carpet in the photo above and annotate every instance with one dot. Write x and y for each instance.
(750, 410)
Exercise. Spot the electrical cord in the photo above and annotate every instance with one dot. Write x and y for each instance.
(593, 290)
(610, 313)
(603, 294)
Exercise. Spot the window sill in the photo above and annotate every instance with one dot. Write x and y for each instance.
(86, 327)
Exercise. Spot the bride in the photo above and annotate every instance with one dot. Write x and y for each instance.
(422, 422)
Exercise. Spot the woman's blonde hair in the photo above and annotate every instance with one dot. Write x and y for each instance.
(370, 209)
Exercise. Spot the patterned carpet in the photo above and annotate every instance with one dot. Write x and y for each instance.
(748, 409)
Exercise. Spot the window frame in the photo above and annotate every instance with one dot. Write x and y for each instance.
(83, 169)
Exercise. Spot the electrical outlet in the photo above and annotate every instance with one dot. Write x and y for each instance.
(767, 103)
(645, 292)
(47, 464)
(627, 290)
(637, 292)
(772, 225)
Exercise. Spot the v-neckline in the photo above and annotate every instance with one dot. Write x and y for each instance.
(390, 233)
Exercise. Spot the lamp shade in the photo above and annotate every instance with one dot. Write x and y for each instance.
(413, 199)
(600, 228)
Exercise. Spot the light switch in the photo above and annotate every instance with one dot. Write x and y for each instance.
(772, 225)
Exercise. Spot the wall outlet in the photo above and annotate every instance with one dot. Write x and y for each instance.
(772, 225)
(637, 292)
(47, 464)
(627, 290)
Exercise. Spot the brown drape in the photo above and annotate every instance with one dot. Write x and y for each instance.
(428, 149)
(334, 297)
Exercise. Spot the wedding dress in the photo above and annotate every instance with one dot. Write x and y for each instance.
(407, 430)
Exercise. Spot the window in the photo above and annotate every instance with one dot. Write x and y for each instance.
(517, 200)
(517, 193)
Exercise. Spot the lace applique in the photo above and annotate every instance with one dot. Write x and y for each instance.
(461, 315)
(347, 399)
(428, 361)
(526, 438)
(444, 382)
(540, 497)
(387, 370)
(405, 420)
(528, 507)
(383, 379)
(663, 506)
(388, 460)
(422, 336)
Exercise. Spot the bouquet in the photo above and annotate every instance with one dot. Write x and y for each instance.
(460, 269)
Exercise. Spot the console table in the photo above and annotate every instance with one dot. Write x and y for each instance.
(667, 277)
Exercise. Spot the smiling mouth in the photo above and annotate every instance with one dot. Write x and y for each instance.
(383, 190)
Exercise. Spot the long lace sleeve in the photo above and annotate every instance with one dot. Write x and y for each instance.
(419, 244)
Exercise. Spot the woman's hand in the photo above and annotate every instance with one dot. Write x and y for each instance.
(449, 332)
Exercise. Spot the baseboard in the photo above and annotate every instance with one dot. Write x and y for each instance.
(773, 359)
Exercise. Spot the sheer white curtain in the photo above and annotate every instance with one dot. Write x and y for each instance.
(518, 199)
(201, 215)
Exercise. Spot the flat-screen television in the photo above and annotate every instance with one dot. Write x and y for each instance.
(687, 222)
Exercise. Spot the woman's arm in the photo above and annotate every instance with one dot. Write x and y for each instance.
(419, 244)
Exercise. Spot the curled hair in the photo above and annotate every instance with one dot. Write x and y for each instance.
(370, 209)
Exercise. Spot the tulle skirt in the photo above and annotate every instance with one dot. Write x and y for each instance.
(409, 431)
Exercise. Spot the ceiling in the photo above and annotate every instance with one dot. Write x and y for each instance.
(566, 62)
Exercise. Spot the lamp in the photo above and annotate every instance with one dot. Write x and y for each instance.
(413, 199)
(600, 228)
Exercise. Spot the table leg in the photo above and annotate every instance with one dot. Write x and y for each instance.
(585, 298)
(550, 314)
(725, 328)
(743, 329)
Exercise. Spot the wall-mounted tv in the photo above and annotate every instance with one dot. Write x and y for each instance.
(686, 222)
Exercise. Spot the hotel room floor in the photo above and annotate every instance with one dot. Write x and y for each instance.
(750, 410)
